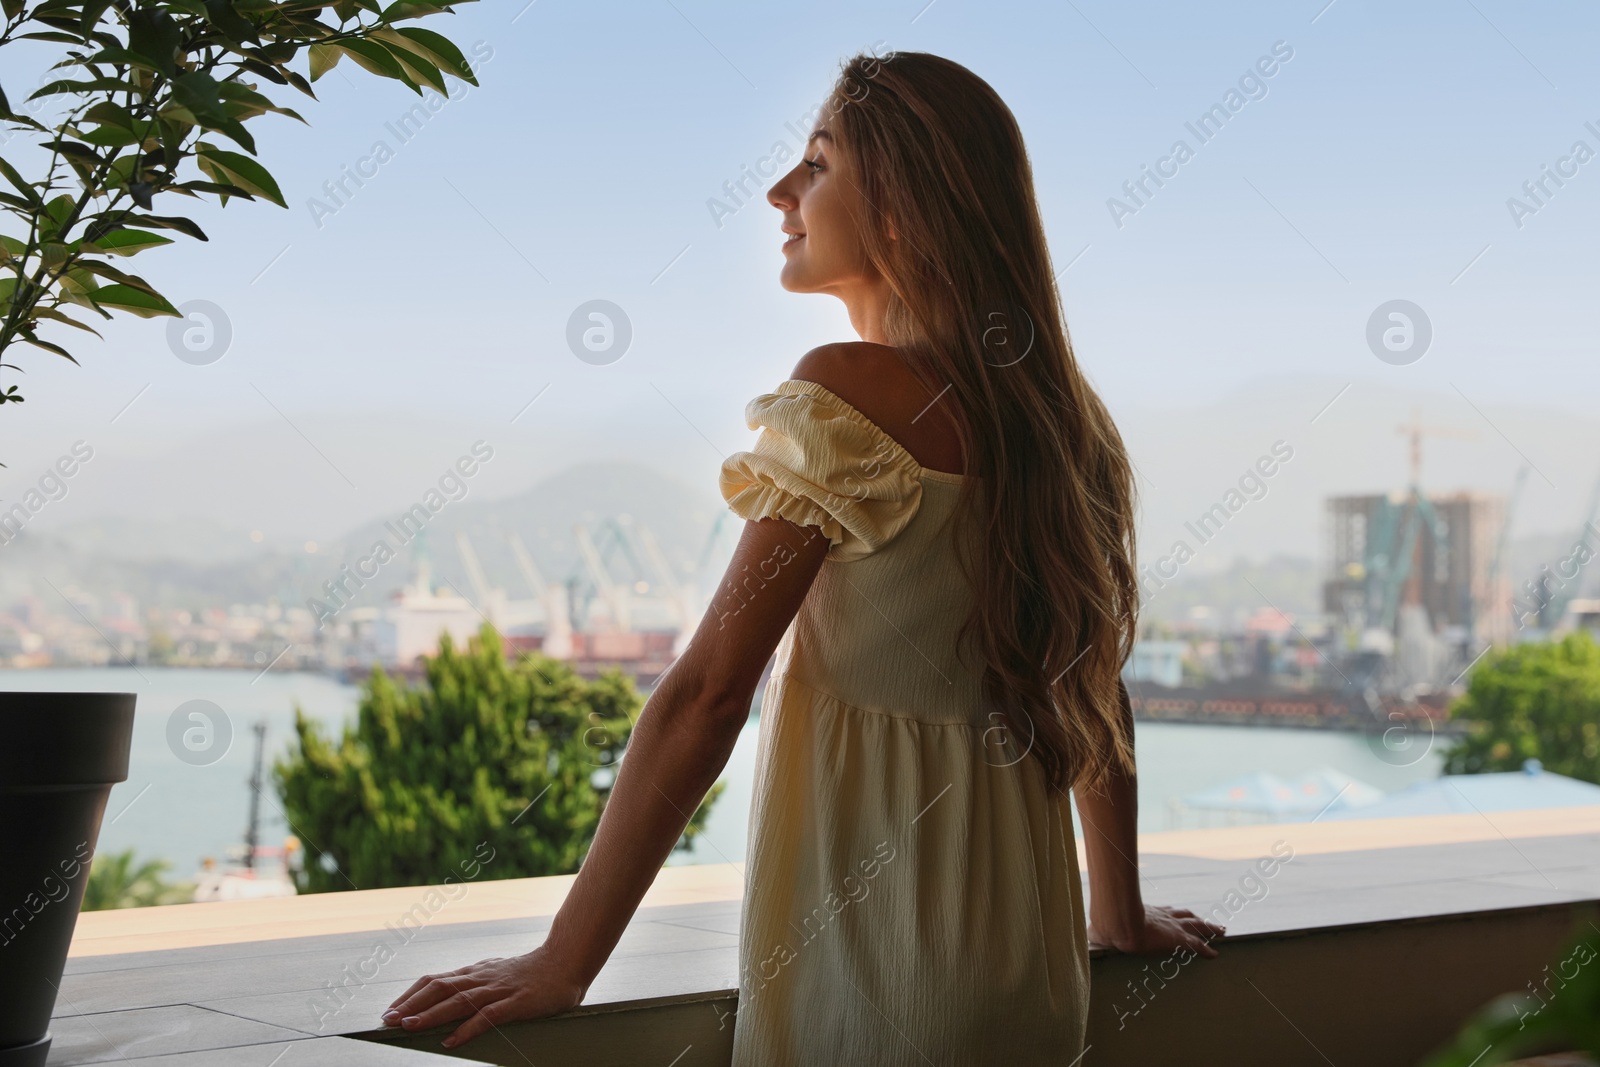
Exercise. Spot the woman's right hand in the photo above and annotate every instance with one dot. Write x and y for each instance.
(486, 994)
(1164, 929)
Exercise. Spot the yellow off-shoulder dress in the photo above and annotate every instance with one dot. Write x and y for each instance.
(911, 889)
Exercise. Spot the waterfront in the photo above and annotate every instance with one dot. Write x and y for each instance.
(182, 812)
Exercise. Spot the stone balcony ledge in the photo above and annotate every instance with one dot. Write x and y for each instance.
(1367, 945)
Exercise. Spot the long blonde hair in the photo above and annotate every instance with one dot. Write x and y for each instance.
(937, 158)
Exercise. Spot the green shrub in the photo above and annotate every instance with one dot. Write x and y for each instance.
(1533, 701)
(487, 757)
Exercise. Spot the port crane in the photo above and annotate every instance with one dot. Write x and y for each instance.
(1553, 605)
(1497, 563)
(558, 621)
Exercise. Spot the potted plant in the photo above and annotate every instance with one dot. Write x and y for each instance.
(62, 754)
(149, 99)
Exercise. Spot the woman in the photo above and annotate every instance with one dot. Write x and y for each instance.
(940, 534)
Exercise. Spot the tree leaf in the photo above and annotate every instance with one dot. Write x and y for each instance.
(418, 69)
(49, 35)
(28, 121)
(324, 57)
(171, 222)
(242, 171)
(59, 208)
(227, 20)
(246, 103)
(113, 137)
(412, 57)
(438, 50)
(48, 347)
(67, 23)
(299, 82)
(93, 85)
(222, 189)
(277, 53)
(154, 35)
(108, 113)
(55, 316)
(134, 301)
(372, 57)
(23, 187)
(125, 242)
(410, 9)
(199, 94)
(80, 279)
(263, 69)
(120, 277)
(81, 297)
(76, 153)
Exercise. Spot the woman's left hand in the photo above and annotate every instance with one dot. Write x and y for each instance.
(1162, 930)
(487, 994)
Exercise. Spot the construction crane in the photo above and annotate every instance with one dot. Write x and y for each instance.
(1554, 606)
(1502, 544)
(1404, 568)
(1416, 431)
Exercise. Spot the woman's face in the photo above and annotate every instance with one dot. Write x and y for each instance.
(823, 252)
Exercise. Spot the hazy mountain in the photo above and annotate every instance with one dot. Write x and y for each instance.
(176, 526)
(197, 563)
(681, 519)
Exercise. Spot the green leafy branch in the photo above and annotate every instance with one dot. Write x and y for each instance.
(147, 87)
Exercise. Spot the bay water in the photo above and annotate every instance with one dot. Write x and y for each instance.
(185, 809)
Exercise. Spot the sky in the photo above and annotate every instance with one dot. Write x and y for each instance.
(376, 337)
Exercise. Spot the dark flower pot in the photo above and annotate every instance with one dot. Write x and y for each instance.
(60, 754)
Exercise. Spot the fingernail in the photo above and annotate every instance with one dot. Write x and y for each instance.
(410, 1020)
(449, 1042)
(391, 1016)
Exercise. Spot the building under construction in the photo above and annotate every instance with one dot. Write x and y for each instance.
(1438, 553)
(1416, 584)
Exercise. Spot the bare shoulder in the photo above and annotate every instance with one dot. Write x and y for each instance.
(875, 380)
(871, 378)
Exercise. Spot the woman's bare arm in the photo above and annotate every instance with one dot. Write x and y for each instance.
(679, 746)
(1118, 916)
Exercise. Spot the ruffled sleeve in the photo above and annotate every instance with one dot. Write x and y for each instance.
(819, 462)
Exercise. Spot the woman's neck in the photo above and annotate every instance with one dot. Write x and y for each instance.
(867, 305)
